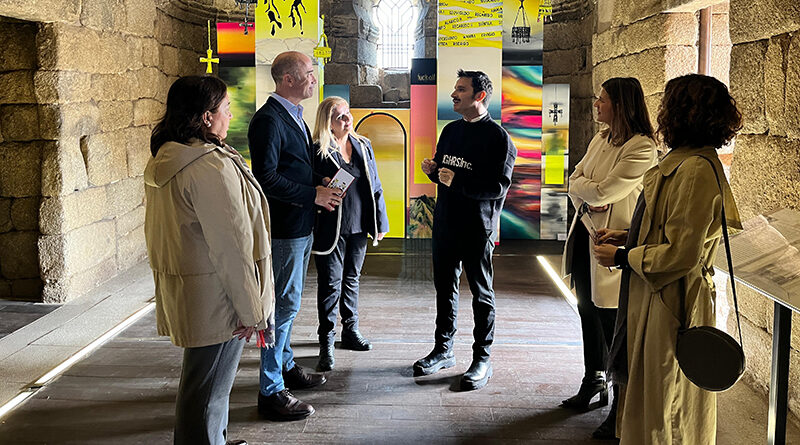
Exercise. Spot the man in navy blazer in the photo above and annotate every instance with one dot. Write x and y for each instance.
(281, 151)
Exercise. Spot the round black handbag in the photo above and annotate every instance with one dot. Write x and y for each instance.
(709, 357)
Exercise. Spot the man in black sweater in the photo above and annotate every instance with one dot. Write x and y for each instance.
(472, 167)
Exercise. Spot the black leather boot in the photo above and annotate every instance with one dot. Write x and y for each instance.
(354, 341)
(326, 359)
(477, 376)
(593, 383)
(438, 359)
(607, 429)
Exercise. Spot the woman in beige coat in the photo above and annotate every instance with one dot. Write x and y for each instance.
(669, 254)
(207, 233)
(603, 189)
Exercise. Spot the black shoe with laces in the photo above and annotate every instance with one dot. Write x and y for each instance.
(283, 406)
(296, 378)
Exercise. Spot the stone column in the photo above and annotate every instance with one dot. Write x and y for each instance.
(425, 34)
(354, 41)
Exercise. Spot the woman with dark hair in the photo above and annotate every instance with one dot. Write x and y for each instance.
(668, 257)
(603, 189)
(207, 234)
(340, 236)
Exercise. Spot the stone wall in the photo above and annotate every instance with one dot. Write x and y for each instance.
(567, 59)
(101, 73)
(21, 147)
(765, 175)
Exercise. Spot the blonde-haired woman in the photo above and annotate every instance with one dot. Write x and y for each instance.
(340, 236)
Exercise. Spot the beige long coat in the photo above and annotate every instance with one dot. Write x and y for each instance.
(612, 175)
(680, 232)
(207, 233)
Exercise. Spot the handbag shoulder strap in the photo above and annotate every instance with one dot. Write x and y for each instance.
(727, 255)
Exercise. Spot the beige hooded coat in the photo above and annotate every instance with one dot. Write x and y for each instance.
(607, 175)
(680, 232)
(207, 233)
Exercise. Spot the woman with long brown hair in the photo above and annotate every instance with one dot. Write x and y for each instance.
(603, 188)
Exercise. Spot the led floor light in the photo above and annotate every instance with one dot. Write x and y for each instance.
(559, 282)
(63, 366)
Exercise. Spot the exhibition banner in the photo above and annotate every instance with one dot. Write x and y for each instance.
(236, 52)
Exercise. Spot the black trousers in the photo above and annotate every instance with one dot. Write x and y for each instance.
(338, 276)
(597, 324)
(474, 253)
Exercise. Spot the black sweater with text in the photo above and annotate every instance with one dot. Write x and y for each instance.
(482, 156)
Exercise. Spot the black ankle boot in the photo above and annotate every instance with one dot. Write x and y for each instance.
(593, 383)
(439, 358)
(326, 359)
(353, 340)
(608, 429)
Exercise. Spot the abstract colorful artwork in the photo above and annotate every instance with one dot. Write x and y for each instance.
(387, 129)
(237, 69)
(291, 25)
(522, 119)
(555, 160)
(522, 33)
(421, 191)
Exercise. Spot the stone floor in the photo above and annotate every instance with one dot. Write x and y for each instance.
(124, 392)
(17, 314)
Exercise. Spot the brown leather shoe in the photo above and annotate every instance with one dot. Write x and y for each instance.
(283, 406)
(296, 378)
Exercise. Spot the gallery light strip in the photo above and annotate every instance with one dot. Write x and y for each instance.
(43, 380)
(558, 282)
(63, 366)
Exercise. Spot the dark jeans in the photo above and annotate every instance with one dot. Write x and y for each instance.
(474, 253)
(201, 408)
(338, 275)
(597, 324)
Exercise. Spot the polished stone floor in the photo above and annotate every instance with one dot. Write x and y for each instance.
(124, 392)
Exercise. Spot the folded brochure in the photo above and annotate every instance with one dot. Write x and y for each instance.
(341, 180)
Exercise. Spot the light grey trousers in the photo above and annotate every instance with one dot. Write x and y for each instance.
(201, 409)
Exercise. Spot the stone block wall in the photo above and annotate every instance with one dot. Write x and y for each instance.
(21, 147)
(765, 174)
(76, 128)
(567, 59)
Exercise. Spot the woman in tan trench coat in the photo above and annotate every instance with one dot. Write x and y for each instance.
(208, 240)
(674, 235)
(605, 186)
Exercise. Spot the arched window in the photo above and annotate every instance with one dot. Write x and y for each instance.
(397, 20)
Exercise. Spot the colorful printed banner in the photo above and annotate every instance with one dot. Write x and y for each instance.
(555, 160)
(388, 131)
(421, 193)
(237, 69)
(522, 33)
(286, 26)
(522, 119)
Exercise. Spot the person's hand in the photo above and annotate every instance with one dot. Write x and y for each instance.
(611, 236)
(446, 176)
(244, 332)
(325, 181)
(604, 253)
(381, 235)
(428, 166)
(600, 209)
(328, 198)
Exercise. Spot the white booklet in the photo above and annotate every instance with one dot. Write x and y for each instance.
(341, 180)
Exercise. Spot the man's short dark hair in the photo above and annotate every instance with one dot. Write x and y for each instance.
(480, 82)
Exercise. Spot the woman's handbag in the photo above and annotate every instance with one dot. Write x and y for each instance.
(709, 357)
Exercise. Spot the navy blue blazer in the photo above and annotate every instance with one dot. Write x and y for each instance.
(281, 156)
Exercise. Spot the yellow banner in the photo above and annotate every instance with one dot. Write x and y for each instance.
(483, 43)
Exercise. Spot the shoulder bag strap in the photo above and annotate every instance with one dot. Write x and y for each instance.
(727, 251)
